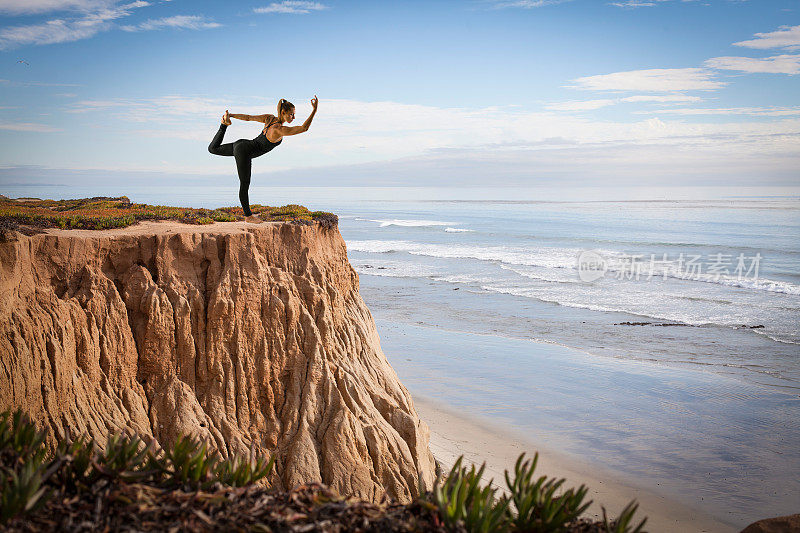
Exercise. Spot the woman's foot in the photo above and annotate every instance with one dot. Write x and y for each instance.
(253, 219)
(226, 118)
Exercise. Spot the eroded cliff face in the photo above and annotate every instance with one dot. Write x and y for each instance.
(241, 334)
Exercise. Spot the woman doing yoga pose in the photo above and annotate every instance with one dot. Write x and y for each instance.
(244, 150)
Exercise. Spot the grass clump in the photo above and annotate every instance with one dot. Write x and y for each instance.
(624, 522)
(30, 475)
(102, 212)
(22, 466)
(538, 506)
(533, 505)
(462, 501)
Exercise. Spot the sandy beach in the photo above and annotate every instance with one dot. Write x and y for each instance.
(479, 440)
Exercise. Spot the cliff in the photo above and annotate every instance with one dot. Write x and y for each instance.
(246, 335)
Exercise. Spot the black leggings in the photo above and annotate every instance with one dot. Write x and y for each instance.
(243, 150)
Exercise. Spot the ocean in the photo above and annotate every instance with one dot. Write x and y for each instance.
(516, 262)
(676, 312)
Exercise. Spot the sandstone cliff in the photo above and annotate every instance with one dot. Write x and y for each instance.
(247, 335)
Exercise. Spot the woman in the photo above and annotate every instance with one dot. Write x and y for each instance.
(244, 150)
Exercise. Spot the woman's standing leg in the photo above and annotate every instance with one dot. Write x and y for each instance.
(244, 165)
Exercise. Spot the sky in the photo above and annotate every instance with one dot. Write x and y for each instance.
(451, 93)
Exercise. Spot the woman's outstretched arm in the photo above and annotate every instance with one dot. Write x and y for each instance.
(247, 117)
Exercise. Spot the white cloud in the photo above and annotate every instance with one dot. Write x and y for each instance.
(527, 4)
(641, 3)
(27, 126)
(52, 31)
(26, 7)
(296, 7)
(66, 30)
(190, 22)
(632, 3)
(753, 111)
(588, 105)
(662, 98)
(652, 80)
(347, 132)
(782, 64)
(580, 105)
(787, 37)
(38, 84)
(166, 107)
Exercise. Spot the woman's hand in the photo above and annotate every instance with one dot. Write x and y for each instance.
(314, 102)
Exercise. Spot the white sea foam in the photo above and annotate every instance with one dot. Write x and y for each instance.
(779, 338)
(743, 282)
(457, 230)
(635, 306)
(553, 276)
(514, 255)
(760, 284)
(408, 223)
(465, 278)
(555, 258)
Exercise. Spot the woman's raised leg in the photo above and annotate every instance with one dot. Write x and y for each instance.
(216, 147)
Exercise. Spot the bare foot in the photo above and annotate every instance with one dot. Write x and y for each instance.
(253, 219)
(226, 118)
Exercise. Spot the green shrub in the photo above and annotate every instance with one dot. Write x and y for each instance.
(325, 219)
(539, 505)
(462, 501)
(29, 474)
(22, 490)
(222, 216)
(22, 467)
(623, 523)
(125, 457)
(538, 508)
(188, 462)
(239, 472)
(19, 438)
(77, 472)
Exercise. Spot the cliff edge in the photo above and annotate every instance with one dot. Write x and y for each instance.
(245, 335)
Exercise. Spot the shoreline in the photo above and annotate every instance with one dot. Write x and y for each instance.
(707, 443)
(455, 306)
(479, 439)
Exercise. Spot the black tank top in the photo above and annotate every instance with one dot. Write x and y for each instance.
(265, 143)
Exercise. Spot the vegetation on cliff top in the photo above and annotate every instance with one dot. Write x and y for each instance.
(103, 212)
(135, 485)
